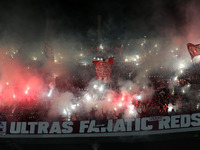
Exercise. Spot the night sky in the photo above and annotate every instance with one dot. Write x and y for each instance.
(34, 20)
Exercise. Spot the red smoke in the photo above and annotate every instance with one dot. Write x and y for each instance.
(18, 82)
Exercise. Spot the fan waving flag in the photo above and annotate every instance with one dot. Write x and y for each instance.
(48, 52)
(194, 50)
(103, 69)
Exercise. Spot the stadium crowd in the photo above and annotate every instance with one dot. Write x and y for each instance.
(163, 102)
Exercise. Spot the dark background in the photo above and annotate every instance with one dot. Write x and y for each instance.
(35, 20)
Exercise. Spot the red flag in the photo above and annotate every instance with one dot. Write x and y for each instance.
(103, 69)
(48, 52)
(194, 50)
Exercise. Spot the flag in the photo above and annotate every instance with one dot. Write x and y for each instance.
(122, 47)
(48, 52)
(194, 50)
(103, 69)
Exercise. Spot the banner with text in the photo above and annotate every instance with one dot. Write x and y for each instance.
(89, 128)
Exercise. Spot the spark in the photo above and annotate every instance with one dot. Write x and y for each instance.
(95, 86)
(122, 98)
(73, 106)
(34, 58)
(50, 92)
(101, 88)
(175, 78)
(198, 106)
(181, 66)
(139, 97)
(137, 56)
(64, 111)
(120, 104)
(88, 97)
(131, 109)
(26, 92)
(170, 107)
(101, 46)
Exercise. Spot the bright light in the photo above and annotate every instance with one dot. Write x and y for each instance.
(95, 86)
(101, 88)
(137, 56)
(101, 46)
(14, 96)
(139, 97)
(109, 99)
(120, 104)
(170, 107)
(175, 78)
(26, 92)
(7, 83)
(73, 106)
(81, 54)
(181, 66)
(34, 58)
(88, 97)
(156, 45)
(64, 111)
(126, 60)
(198, 106)
(50, 92)
(131, 109)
